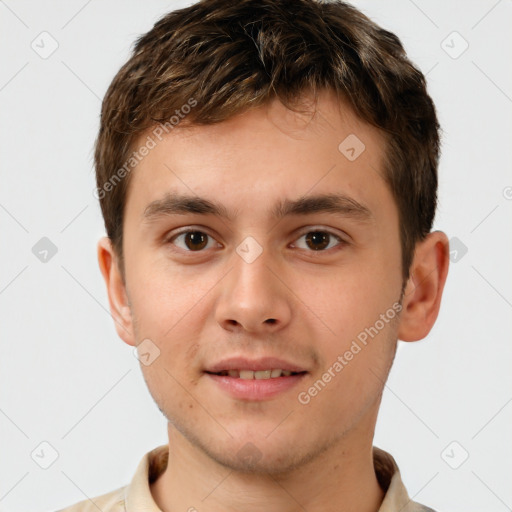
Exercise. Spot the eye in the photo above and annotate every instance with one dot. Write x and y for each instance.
(193, 240)
(320, 240)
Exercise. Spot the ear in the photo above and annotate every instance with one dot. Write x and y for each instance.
(422, 294)
(116, 289)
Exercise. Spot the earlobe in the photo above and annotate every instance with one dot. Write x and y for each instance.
(424, 289)
(116, 290)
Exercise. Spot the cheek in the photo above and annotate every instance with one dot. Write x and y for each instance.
(349, 299)
(359, 307)
(172, 391)
(353, 375)
(167, 300)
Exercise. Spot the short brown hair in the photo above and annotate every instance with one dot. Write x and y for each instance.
(232, 55)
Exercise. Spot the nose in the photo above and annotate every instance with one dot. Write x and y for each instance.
(254, 298)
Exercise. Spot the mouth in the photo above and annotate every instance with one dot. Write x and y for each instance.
(255, 380)
(274, 373)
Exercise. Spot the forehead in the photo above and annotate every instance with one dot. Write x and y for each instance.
(266, 153)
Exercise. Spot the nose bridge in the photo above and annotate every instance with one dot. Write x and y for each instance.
(253, 296)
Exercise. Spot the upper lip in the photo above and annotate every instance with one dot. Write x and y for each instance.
(263, 363)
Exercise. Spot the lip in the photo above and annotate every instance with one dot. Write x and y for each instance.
(263, 363)
(255, 389)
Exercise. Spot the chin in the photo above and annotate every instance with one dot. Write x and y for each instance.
(263, 451)
(250, 459)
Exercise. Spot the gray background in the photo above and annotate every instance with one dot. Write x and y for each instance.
(65, 377)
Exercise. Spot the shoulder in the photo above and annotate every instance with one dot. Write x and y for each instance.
(423, 508)
(113, 501)
(413, 506)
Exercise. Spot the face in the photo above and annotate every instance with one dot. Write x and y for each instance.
(314, 291)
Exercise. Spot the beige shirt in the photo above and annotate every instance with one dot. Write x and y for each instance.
(137, 497)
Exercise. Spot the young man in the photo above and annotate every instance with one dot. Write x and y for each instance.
(267, 172)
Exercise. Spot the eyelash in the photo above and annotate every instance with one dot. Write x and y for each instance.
(341, 242)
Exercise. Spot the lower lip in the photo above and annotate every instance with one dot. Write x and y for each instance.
(255, 389)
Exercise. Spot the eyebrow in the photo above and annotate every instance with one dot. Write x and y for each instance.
(180, 204)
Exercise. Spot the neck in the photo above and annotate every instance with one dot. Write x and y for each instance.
(340, 478)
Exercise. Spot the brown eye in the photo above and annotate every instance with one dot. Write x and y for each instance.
(192, 241)
(319, 240)
(195, 240)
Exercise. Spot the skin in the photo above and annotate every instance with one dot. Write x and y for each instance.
(199, 307)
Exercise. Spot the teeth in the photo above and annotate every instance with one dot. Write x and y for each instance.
(262, 374)
(258, 375)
